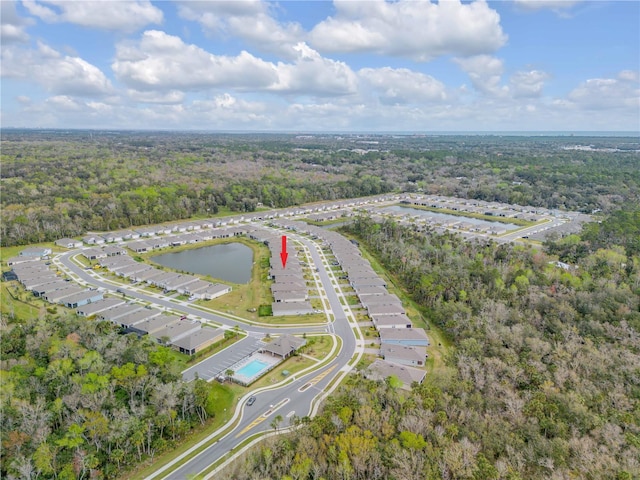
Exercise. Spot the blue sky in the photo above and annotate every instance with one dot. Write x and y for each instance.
(348, 65)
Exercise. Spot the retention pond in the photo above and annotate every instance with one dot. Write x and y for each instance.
(230, 262)
(445, 217)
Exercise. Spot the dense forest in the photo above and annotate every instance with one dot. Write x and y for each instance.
(542, 381)
(81, 401)
(57, 184)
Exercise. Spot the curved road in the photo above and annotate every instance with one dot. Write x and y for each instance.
(293, 399)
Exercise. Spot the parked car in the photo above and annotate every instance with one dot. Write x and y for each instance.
(251, 401)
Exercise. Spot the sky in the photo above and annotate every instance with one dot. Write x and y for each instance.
(314, 66)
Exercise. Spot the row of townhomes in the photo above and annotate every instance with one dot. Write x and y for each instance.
(403, 347)
(325, 211)
(186, 336)
(290, 291)
(116, 260)
(493, 209)
(34, 274)
(33, 271)
(289, 288)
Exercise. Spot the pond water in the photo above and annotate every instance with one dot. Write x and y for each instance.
(447, 217)
(231, 262)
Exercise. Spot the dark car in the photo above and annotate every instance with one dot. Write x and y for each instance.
(251, 401)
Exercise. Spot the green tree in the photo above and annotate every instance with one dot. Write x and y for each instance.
(73, 438)
(277, 420)
(412, 441)
(44, 459)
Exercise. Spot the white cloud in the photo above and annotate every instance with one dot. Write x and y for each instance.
(213, 15)
(162, 61)
(170, 97)
(64, 75)
(608, 93)
(251, 20)
(402, 86)
(127, 16)
(64, 102)
(315, 75)
(527, 84)
(12, 26)
(628, 76)
(555, 5)
(417, 29)
(226, 110)
(222, 112)
(327, 116)
(241, 111)
(71, 112)
(485, 73)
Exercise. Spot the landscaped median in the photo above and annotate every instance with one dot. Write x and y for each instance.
(254, 439)
(212, 433)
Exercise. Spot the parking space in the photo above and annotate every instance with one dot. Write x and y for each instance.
(220, 362)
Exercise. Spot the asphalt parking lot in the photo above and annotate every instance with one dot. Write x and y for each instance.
(220, 362)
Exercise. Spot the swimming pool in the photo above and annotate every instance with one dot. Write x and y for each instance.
(252, 368)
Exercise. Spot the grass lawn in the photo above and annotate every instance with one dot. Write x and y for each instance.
(352, 299)
(221, 398)
(370, 334)
(16, 302)
(321, 346)
(10, 252)
(366, 360)
(296, 319)
(317, 303)
(82, 260)
(292, 365)
(181, 359)
(327, 222)
(245, 299)
(478, 216)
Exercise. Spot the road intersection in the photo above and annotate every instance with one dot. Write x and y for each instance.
(301, 392)
(292, 398)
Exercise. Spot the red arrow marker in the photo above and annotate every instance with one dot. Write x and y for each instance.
(283, 253)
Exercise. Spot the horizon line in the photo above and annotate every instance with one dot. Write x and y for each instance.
(562, 133)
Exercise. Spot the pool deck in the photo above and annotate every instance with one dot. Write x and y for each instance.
(270, 361)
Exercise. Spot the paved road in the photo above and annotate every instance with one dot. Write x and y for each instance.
(259, 416)
(162, 301)
(292, 400)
